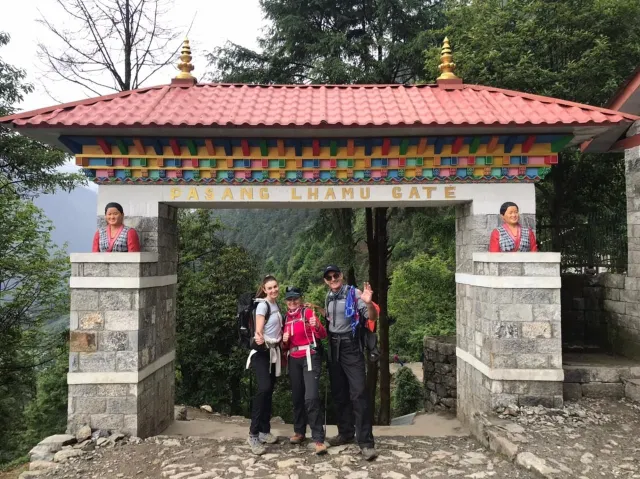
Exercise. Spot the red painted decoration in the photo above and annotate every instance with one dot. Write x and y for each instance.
(280, 147)
(422, 145)
(106, 148)
(351, 149)
(528, 143)
(195, 163)
(315, 144)
(402, 162)
(211, 150)
(493, 144)
(244, 144)
(175, 147)
(471, 160)
(333, 163)
(386, 145)
(457, 145)
(265, 163)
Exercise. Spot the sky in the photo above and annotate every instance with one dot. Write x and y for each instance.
(214, 23)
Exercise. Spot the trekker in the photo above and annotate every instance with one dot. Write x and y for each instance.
(511, 236)
(265, 359)
(302, 333)
(346, 360)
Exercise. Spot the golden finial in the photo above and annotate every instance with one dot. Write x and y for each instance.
(185, 65)
(446, 67)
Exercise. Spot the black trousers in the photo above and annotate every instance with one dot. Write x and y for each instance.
(305, 392)
(348, 387)
(262, 401)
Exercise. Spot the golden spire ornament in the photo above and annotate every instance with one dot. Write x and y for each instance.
(185, 65)
(446, 67)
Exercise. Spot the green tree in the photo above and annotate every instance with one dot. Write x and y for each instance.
(422, 300)
(408, 394)
(574, 50)
(212, 275)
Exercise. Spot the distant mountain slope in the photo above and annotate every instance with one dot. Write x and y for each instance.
(74, 217)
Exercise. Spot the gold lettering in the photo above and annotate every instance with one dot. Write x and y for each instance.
(330, 194)
(246, 193)
(347, 192)
(365, 193)
(294, 196)
(413, 194)
(312, 194)
(396, 192)
(175, 193)
(193, 194)
(428, 190)
(208, 194)
(228, 194)
(449, 191)
(264, 193)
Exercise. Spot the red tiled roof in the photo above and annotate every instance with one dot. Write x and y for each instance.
(205, 105)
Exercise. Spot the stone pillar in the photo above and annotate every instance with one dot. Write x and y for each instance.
(632, 177)
(122, 348)
(508, 332)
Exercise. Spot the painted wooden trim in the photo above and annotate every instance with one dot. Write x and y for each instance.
(511, 374)
(509, 282)
(516, 257)
(123, 377)
(114, 257)
(136, 282)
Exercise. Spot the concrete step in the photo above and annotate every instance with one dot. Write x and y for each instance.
(632, 389)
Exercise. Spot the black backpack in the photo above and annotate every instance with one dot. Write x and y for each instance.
(246, 320)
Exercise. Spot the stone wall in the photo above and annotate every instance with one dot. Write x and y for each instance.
(622, 314)
(440, 373)
(584, 325)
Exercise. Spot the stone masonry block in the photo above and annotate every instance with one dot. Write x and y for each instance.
(615, 306)
(73, 320)
(525, 346)
(117, 300)
(630, 296)
(122, 405)
(505, 330)
(533, 388)
(536, 330)
(110, 422)
(113, 340)
(541, 269)
(126, 361)
(77, 390)
(83, 299)
(576, 375)
(124, 270)
(122, 320)
(510, 269)
(81, 341)
(572, 391)
(532, 361)
(95, 269)
(91, 319)
(546, 312)
(90, 405)
(96, 362)
(131, 425)
(603, 390)
(536, 296)
(515, 312)
(74, 362)
(76, 421)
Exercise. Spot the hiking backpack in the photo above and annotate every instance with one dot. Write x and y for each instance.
(246, 319)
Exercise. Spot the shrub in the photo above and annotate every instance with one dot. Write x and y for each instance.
(408, 395)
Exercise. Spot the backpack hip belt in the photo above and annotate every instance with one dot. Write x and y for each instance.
(307, 348)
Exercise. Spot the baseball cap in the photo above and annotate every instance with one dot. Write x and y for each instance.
(330, 268)
(291, 292)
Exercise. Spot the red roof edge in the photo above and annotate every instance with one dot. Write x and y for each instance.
(625, 90)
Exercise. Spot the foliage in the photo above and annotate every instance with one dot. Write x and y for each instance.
(27, 167)
(334, 41)
(47, 413)
(408, 395)
(125, 40)
(422, 300)
(212, 276)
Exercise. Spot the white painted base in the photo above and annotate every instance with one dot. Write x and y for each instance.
(516, 282)
(516, 257)
(130, 377)
(114, 257)
(136, 282)
(511, 374)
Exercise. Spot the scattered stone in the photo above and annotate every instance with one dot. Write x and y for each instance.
(171, 443)
(587, 458)
(530, 461)
(290, 463)
(41, 453)
(83, 433)
(66, 454)
(42, 465)
(99, 433)
(30, 474)
(180, 413)
(102, 441)
(357, 475)
(393, 475)
(401, 454)
(207, 408)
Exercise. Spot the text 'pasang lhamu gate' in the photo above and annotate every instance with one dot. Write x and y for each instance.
(317, 146)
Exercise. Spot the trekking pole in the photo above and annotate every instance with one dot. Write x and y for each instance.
(325, 409)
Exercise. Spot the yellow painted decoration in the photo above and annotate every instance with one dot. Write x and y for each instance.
(446, 67)
(185, 65)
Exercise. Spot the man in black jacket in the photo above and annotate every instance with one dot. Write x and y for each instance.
(346, 363)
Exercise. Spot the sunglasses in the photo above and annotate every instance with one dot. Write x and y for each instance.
(331, 277)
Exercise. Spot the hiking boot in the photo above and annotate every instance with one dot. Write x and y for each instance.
(296, 439)
(256, 446)
(369, 453)
(320, 448)
(267, 437)
(340, 440)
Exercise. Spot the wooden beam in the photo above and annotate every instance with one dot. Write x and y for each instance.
(528, 143)
(244, 145)
(175, 147)
(124, 149)
(475, 143)
(386, 146)
(211, 149)
(137, 143)
(493, 144)
(351, 149)
(510, 143)
(191, 145)
(457, 145)
(102, 143)
(627, 143)
(422, 146)
(560, 143)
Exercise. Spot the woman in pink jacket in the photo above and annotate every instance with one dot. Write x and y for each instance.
(301, 337)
